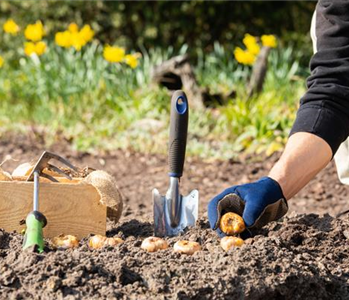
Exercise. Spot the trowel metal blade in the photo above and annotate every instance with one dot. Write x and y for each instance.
(159, 213)
(189, 209)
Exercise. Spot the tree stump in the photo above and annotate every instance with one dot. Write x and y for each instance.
(177, 73)
(259, 72)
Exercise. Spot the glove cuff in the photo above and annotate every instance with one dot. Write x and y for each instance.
(276, 209)
(272, 212)
(277, 190)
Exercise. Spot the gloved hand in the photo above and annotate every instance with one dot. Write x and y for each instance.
(258, 203)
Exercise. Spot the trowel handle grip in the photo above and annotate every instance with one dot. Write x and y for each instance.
(178, 133)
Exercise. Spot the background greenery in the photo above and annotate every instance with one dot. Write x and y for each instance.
(165, 23)
(98, 105)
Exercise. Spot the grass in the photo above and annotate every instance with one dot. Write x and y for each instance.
(103, 106)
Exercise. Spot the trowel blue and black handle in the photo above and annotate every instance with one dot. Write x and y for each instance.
(178, 133)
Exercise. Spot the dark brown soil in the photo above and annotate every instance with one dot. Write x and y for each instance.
(303, 256)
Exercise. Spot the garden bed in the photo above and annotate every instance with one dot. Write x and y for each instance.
(304, 256)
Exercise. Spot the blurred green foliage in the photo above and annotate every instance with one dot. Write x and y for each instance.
(98, 105)
(170, 23)
(101, 106)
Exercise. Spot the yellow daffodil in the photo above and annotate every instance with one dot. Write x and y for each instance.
(73, 27)
(1, 61)
(244, 56)
(37, 48)
(73, 37)
(63, 39)
(29, 48)
(269, 40)
(87, 33)
(113, 54)
(249, 39)
(11, 27)
(77, 41)
(68, 39)
(251, 44)
(40, 48)
(248, 56)
(34, 32)
(132, 60)
(254, 49)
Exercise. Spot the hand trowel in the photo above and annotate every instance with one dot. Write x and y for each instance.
(174, 212)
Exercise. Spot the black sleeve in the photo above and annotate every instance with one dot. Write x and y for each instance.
(324, 109)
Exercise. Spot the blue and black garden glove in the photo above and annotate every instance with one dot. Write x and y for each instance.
(258, 203)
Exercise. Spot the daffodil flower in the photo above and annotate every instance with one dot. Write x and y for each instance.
(113, 54)
(253, 47)
(11, 27)
(73, 37)
(77, 41)
(87, 33)
(249, 39)
(244, 56)
(132, 60)
(40, 48)
(63, 39)
(251, 44)
(31, 48)
(73, 27)
(269, 40)
(34, 32)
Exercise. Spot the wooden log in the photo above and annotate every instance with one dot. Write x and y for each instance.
(70, 208)
(179, 69)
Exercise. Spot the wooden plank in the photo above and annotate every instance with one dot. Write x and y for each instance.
(70, 208)
(43, 179)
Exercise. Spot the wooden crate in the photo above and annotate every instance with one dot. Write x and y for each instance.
(70, 207)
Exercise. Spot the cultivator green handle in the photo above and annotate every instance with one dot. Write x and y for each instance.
(35, 222)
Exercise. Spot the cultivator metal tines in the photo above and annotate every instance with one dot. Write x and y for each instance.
(43, 163)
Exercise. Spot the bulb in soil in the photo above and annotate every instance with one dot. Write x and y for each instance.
(231, 224)
(229, 242)
(99, 241)
(153, 244)
(65, 241)
(113, 241)
(186, 247)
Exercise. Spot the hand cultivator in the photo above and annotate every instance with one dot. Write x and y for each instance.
(174, 212)
(35, 220)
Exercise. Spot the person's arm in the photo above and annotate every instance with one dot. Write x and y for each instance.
(324, 109)
(304, 156)
(322, 124)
